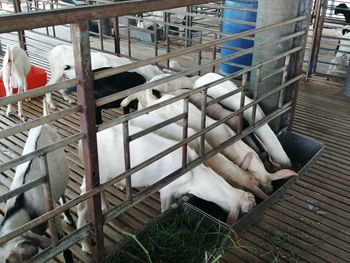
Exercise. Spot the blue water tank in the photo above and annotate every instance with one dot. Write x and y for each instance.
(233, 28)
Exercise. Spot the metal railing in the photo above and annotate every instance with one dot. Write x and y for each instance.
(78, 18)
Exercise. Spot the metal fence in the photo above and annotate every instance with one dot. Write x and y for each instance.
(326, 37)
(202, 40)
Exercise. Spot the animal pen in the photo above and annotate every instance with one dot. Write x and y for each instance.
(272, 78)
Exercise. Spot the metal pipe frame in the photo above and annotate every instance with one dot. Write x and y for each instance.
(87, 120)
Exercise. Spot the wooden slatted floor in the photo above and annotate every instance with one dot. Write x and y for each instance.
(310, 222)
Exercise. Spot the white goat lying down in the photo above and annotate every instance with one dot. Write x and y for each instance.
(201, 181)
(232, 173)
(15, 68)
(61, 61)
(264, 133)
(31, 204)
(236, 152)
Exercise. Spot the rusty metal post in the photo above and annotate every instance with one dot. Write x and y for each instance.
(243, 94)
(255, 95)
(317, 37)
(126, 143)
(185, 132)
(21, 35)
(82, 58)
(115, 23)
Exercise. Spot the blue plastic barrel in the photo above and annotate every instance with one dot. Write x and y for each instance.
(233, 28)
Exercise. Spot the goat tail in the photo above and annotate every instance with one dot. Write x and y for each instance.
(46, 110)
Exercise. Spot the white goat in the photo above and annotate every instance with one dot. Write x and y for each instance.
(15, 68)
(264, 133)
(342, 56)
(236, 152)
(31, 204)
(61, 61)
(233, 174)
(201, 181)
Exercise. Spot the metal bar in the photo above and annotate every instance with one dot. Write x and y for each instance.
(135, 114)
(116, 211)
(243, 94)
(84, 13)
(194, 69)
(115, 23)
(203, 121)
(284, 79)
(128, 37)
(200, 52)
(20, 190)
(48, 198)
(34, 123)
(156, 127)
(126, 143)
(215, 6)
(63, 244)
(155, 37)
(21, 35)
(40, 152)
(185, 132)
(214, 52)
(256, 94)
(100, 32)
(81, 48)
(189, 50)
(37, 92)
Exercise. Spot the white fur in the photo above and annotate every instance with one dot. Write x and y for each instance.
(34, 201)
(201, 181)
(62, 56)
(265, 134)
(15, 68)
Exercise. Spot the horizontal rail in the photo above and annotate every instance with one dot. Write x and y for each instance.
(194, 69)
(46, 119)
(38, 92)
(40, 152)
(30, 20)
(20, 190)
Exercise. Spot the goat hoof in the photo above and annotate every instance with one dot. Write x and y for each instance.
(71, 101)
(52, 106)
(28, 99)
(8, 113)
(22, 118)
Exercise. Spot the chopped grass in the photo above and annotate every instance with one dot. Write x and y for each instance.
(178, 238)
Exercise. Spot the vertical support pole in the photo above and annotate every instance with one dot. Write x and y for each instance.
(155, 39)
(243, 94)
(128, 37)
(203, 120)
(317, 36)
(214, 52)
(126, 142)
(21, 35)
(200, 52)
(185, 133)
(115, 23)
(82, 58)
(255, 94)
(188, 32)
(284, 79)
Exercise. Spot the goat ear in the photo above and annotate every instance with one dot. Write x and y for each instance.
(232, 216)
(284, 173)
(27, 249)
(39, 240)
(246, 161)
